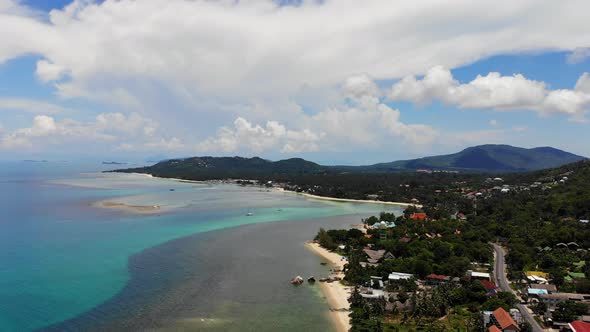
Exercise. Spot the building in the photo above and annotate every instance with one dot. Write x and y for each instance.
(549, 288)
(537, 277)
(374, 255)
(418, 216)
(479, 275)
(491, 288)
(503, 321)
(553, 299)
(535, 292)
(436, 279)
(579, 326)
(395, 276)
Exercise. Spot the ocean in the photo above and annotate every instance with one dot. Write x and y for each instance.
(199, 263)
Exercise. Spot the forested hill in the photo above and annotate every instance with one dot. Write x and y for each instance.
(208, 168)
(483, 158)
(491, 158)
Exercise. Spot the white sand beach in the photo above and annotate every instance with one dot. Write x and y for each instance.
(336, 293)
(350, 199)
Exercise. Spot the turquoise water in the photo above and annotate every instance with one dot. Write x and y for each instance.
(61, 256)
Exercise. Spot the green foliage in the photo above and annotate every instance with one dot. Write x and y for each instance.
(568, 311)
(325, 240)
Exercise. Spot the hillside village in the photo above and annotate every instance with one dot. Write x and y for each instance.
(440, 272)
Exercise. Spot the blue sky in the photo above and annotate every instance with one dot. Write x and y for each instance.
(327, 81)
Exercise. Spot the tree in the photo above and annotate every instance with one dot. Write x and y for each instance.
(526, 327)
(540, 308)
(325, 240)
(568, 311)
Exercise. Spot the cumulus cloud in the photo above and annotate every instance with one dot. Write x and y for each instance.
(257, 138)
(494, 91)
(110, 128)
(255, 48)
(359, 121)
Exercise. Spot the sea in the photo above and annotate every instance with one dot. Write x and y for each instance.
(199, 263)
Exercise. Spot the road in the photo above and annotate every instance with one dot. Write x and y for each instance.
(502, 281)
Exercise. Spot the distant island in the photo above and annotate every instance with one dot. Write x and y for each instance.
(113, 163)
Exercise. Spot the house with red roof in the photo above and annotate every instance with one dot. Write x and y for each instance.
(503, 321)
(579, 326)
(418, 216)
(436, 279)
(494, 328)
(490, 287)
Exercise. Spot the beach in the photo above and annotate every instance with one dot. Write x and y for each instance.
(335, 292)
(350, 200)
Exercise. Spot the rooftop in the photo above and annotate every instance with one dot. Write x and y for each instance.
(579, 326)
(400, 276)
(504, 319)
(549, 288)
(537, 291)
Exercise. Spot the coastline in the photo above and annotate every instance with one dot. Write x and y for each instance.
(350, 200)
(335, 292)
(324, 198)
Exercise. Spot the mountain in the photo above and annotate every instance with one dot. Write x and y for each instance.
(483, 158)
(487, 158)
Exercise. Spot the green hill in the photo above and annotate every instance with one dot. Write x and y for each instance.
(206, 168)
(489, 158)
(483, 158)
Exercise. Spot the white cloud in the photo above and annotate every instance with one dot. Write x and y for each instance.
(494, 91)
(31, 106)
(47, 71)
(107, 128)
(256, 138)
(578, 55)
(254, 48)
(359, 121)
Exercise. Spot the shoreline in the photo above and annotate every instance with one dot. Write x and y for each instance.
(335, 292)
(318, 197)
(351, 200)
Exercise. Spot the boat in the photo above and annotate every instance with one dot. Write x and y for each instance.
(311, 279)
(249, 214)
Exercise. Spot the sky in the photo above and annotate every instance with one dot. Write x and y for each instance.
(336, 82)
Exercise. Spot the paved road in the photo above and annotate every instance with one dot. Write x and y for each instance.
(502, 281)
